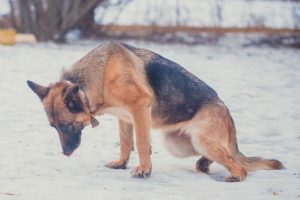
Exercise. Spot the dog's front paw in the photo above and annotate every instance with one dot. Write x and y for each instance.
(117, 164)
(141, 172)
(233, 179)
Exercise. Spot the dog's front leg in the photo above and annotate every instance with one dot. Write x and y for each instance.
(141, 119)
(126, 145)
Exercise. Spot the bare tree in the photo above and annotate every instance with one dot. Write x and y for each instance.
(217, 12)
(296, 14)
(52, 19)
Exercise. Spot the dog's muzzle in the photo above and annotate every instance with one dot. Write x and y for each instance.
(71, 143)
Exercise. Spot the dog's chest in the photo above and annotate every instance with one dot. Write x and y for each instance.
(120, 113)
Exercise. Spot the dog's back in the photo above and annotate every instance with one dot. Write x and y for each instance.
(178, 93)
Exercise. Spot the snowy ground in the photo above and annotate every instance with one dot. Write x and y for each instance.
(260, 86)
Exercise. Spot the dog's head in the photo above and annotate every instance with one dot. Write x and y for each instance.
(67, 110)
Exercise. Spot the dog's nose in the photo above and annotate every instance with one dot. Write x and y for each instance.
(67, 151)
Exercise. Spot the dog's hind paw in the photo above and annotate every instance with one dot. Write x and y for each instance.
(202, 165)
(118, 164)
(139, 172)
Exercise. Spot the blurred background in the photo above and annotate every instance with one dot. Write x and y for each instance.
(251, 22)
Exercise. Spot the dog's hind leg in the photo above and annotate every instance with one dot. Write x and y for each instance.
(126, 146)
(213, 135)
(217, 152)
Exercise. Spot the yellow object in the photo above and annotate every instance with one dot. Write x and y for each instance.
(11, 37)
(26, 38)
(7, 36)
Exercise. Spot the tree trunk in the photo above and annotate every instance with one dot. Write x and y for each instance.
(52, 19)
(87, 24)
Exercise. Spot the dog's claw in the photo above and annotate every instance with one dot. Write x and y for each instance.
(138, 172)
(117, 164)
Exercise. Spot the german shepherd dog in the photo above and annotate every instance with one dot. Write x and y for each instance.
(143, 90)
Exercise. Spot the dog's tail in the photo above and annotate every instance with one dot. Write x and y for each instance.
(250, 163)
(255, 163)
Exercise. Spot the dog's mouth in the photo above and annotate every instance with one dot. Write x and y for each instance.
(69, 150)
(68, 153)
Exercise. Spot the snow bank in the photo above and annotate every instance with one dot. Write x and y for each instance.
(260, 86)
(233, 13)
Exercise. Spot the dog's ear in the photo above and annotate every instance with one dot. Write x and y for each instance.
(94, 122)
(41, 91)
(72, 99)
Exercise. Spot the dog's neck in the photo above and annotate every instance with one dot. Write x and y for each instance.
(90, 84)
(94, 97)
(88, 74)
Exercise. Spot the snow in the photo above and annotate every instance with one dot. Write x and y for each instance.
(4, 7)
(259, 85)
(234, 13)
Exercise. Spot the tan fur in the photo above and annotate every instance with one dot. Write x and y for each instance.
(125, 88)
(211, 133)
(117, 85)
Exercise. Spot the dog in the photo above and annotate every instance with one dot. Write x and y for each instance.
(143, 90)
